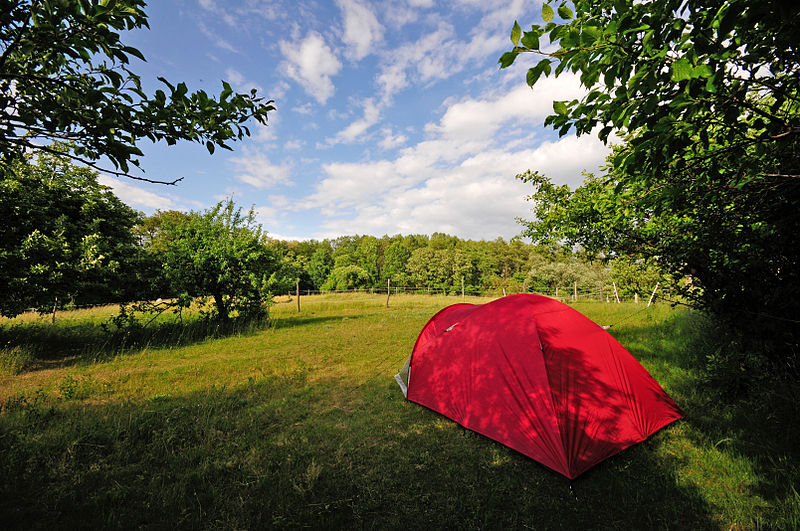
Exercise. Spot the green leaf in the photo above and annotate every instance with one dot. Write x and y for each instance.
(702, 71)
(516, 33)
(531, 40)
(547, 13)
(681, 70)
(534, 73)
(507, 59)
(560, 107)
(564, 12)
(590, 34)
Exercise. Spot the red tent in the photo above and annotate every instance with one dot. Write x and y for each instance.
(537, 376)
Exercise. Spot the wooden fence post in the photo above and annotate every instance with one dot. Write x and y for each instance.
(556, 292)
(463, 297)
(388, 290)
(636, 297)
(653, 295)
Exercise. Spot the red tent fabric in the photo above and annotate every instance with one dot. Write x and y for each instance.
(537, 376)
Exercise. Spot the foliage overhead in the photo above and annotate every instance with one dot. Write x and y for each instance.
(65, 75)
(705, 95)
(720, 76)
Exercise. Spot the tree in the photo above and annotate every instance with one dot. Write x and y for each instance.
(220, 253)
(347, 277)
(319, 267)
(394, 261)
(65, 75)
(707, 183)
(64, 237)
(291, 270)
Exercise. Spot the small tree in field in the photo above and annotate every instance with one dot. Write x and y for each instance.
(219, 253)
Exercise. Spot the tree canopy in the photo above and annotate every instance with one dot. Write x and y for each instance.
(64, 238)
(220, 253)
(705, 96)
(65, 75)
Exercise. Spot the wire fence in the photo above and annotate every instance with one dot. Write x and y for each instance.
(564, 294)
(575, 293)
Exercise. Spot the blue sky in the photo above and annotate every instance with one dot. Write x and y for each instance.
(393, 116)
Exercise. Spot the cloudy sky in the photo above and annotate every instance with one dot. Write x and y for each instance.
(393, 116)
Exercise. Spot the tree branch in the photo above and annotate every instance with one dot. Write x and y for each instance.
(91, 164)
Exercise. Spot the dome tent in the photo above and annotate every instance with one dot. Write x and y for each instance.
(537, 376)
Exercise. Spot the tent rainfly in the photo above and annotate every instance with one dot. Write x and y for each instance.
(537, 376)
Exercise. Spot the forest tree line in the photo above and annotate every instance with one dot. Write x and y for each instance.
(69, 241)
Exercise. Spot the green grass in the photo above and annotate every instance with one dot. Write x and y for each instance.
(299, 423)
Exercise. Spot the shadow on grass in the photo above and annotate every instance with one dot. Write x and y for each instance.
(757, 425)
(281, 452)
(48, 346)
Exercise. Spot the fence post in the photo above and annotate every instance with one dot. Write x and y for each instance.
(463, 297)
(556, 292)
(575, 291)
(525, 286)
(636, 297)
(297, 292)
(653, 295)
(388, 290)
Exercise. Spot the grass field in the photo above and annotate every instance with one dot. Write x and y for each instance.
(297, 422)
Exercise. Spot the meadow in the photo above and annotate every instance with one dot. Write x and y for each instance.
(297, 422)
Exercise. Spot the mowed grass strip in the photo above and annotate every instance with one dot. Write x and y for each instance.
(299, 423)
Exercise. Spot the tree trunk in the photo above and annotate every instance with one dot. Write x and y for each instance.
(222, 310)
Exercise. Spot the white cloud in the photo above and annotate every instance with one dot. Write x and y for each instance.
(350, 184)
(390, 140)
(360, 126)
(266, 216)
(362, 31)
(255, 169)
(216, 39)
(460, 179)
(279, 201)
(293, 144)
(234, 76)
(137, 197)
(304, 109)
(311, 63)
(482, 119)
(418, 62)
(478, 198)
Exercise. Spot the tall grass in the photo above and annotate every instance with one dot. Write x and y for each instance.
(297, 422)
